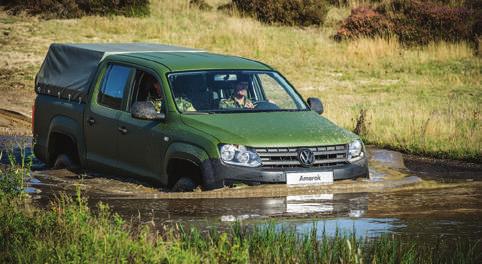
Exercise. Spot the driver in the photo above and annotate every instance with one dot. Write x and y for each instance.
(239, 98)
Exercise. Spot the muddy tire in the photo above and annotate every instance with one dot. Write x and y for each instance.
(64, 161)
(184, 184)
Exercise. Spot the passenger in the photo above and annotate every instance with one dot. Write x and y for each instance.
(184, 105)
(155, 97)
(239, 98)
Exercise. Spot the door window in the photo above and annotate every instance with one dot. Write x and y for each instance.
(114, 85)
(147, 88)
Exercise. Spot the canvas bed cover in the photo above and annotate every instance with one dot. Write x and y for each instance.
(68, 69)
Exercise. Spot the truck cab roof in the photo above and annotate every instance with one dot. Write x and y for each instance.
(190, 61)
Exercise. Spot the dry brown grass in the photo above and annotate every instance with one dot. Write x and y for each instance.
(422, 100)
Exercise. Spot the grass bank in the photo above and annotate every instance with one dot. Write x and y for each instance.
(70, 232)
(421, 100)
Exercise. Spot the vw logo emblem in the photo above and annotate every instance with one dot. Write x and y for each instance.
(306, 157)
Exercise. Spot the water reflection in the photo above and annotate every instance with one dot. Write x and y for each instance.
(362, 227)
(232, 209)
(423, 229)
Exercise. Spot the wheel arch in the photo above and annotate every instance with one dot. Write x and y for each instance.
(66, 127)
(189, 153)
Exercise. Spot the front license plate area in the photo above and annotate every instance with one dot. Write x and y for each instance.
(309, 178)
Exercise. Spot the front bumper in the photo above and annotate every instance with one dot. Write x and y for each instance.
(228, 173)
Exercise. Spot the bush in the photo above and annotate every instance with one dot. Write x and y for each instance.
(78, 8)
(421, 22)
(364, 21)
(412, 21)
(286, 12)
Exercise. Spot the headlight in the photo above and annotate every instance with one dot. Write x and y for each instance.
(239, 155)
(355, 150)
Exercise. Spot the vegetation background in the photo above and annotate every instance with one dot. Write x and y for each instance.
(422, 99)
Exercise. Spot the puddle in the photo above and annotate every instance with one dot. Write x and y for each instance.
(443, 170)
(448, 211)
(395, 199)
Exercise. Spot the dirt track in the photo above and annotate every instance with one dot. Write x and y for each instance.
(14, 123)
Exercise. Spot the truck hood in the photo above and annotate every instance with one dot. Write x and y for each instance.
(270, 129)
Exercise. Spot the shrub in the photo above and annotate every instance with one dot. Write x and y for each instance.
(476, 19)
(421, 22)
(286, 12)
(78, 8)
(364, 21)
(412, 21)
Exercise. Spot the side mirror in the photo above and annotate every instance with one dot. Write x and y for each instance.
(146, 111)
(315, 105)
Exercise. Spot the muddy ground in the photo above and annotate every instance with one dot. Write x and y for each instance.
(404, 194)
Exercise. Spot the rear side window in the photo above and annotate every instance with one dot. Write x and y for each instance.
(113, 86)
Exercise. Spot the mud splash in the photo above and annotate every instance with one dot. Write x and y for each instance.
(385, 174)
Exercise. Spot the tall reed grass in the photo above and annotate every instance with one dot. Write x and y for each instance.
(15, 171)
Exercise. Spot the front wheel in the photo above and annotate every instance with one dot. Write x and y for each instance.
(184, 184)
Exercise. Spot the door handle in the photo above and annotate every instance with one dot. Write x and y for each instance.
(91, 121)
(123, 130)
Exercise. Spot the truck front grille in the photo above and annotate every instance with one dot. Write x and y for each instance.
(334, 155)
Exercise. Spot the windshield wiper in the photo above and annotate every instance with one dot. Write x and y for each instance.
(277, 110)
(210, 112)
(198, 113)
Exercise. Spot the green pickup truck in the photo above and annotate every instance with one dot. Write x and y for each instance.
(184, 118)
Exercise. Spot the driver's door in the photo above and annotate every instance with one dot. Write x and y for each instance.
(141, 146)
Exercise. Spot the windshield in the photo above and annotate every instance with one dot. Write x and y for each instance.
(233, 91)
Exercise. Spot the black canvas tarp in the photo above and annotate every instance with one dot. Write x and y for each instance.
(68, 69)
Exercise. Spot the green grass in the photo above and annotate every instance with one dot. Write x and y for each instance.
(68, 231)
(422, 100)
(13, 175)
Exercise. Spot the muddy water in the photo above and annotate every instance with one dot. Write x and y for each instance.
(396, 199)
